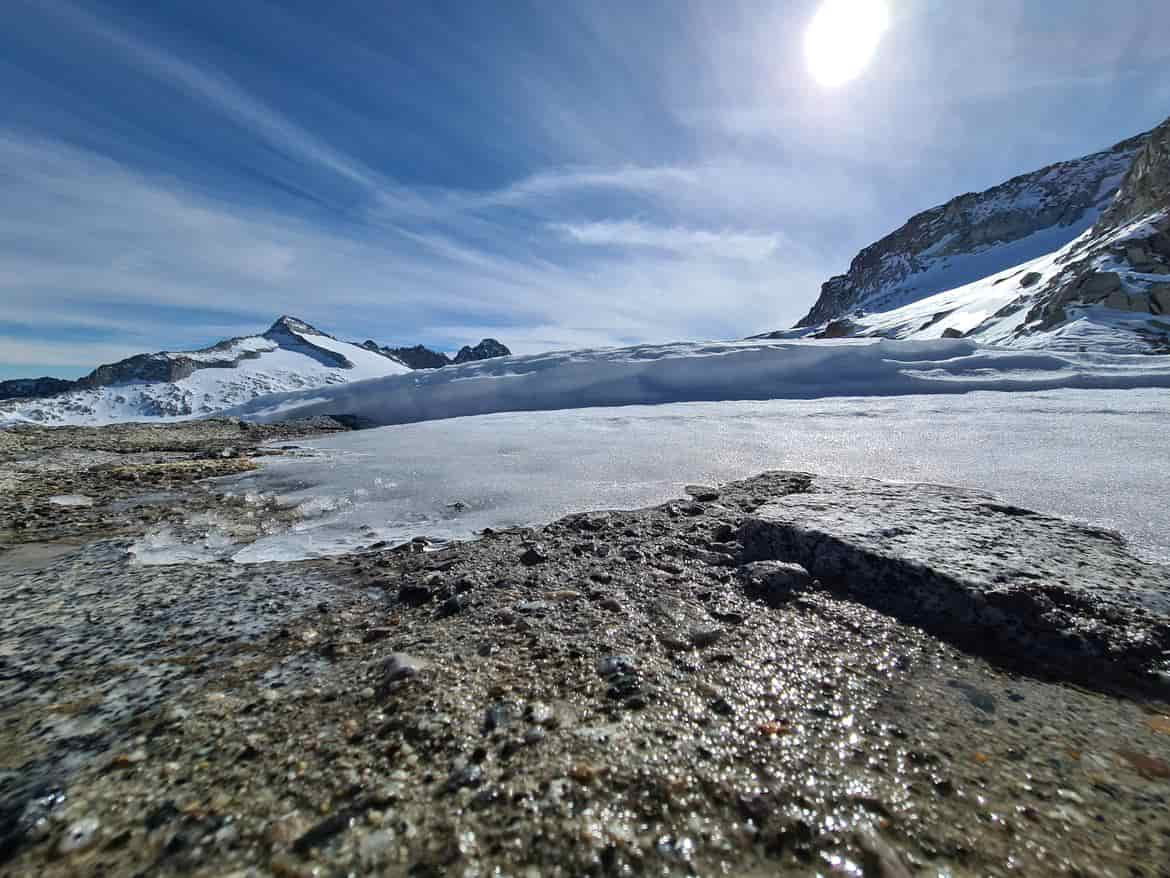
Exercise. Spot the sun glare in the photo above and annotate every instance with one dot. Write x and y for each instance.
(842, 38)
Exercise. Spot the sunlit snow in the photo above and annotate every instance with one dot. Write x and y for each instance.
(710, 371)
(1093, 455)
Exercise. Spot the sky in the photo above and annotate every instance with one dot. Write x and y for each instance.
(552, 174)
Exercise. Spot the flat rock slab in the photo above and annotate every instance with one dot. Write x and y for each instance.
(1030, 590)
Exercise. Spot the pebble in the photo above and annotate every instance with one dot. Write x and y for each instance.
(80, 835)
(533, 555)
(399, 667)
(464, 776)
(612, 665)
(705, 635)
(451, 606)
(498, 716)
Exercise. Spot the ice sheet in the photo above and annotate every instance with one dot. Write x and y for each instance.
(1098, 456)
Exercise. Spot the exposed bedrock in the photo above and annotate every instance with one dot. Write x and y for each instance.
(1041, 594)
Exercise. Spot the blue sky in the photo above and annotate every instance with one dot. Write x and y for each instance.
(553, 174)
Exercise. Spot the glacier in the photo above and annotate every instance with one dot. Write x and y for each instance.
(711, 371)
(1093, 455)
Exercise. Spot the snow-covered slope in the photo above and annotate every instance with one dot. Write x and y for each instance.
(290, 355)
(1073, 257)
(654, 374)
(977, 234)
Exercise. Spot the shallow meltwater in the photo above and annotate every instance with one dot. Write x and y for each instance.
(1096, 456)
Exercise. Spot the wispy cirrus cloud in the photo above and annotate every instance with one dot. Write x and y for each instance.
(174, 173)
(674, 239)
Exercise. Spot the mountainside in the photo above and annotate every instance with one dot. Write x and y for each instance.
(1072, 255)
(290, 355)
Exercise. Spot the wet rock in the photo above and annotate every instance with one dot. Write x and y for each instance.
(470, 775)
(704, 636)
(978, 698)
(610, 665)
(534, 555)
(1053, 592)
(400, 667)
(321, 833)
(451, 606)
(775, 582)
(415, 594)
(79, 835)
(499, 715)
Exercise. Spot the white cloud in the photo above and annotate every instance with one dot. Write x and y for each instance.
(745, 246)
(93, 244)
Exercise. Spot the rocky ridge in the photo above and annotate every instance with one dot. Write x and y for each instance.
(421, 357)
(287, 333)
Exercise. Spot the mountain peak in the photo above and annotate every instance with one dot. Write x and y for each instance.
(288, 323)
(487, 349)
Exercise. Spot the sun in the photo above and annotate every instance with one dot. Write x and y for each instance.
(842, 38)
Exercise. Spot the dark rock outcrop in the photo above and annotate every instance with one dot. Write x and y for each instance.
(420, 357)
(1128, 247)
(487, 349)
(24, 388)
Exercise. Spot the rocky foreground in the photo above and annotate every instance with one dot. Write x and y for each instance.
(785, 674)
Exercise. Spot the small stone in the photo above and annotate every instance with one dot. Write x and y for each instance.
(415, 594)
(612, 665)
(613, 605)
(373, 635)
(470, 775)
(80, 835)
(722, 706)
(533, 555)
(532, 607)
(451, 606)
(400, 667)
(498, 716)
(705, 635)
(776, 582)
(323, 831)
(534, 735)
